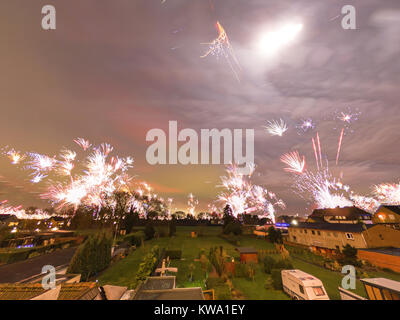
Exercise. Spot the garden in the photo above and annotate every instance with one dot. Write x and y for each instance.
(204, 258)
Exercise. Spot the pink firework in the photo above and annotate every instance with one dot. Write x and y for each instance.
(296, 164)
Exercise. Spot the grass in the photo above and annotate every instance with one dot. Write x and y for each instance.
(255, 289)
(123, 272)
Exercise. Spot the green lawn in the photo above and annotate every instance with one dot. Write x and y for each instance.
(123, 272)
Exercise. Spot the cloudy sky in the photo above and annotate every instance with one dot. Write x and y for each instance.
(113, 70)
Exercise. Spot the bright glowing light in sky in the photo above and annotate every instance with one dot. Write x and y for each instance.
(274, 40)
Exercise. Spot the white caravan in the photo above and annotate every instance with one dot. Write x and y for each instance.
(303, 286)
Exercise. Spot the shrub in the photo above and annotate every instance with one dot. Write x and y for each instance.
(276, 279)
(202, 252)
(149, 232)
(268, 284)
(172, 227)
(147, 265)
(223, 293)
(221, 289)
(274, 235)
(251, 270)
(233, 227)
(268, 263)
(162, 231)
(217, 257)
(283, 264)
(93, 256)
(240, 270)
(134, 239)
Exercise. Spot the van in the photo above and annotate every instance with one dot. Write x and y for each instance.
(303, 286)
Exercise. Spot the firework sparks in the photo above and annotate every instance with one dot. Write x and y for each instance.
(305, 125)
(294, 161)
(276, 128)
(320, 187)
(20, 213)
(339, 146)
(101, 176)
(84, 144)
(192, 203)
(15, 156)
(324, 190)
(244, 197)
(319, 150)
(388, 193)
(368, 204)
(221, 47)
(315, 152)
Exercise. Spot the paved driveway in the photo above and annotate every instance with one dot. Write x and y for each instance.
(14, 272)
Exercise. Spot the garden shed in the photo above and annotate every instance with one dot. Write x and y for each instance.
(248, 254)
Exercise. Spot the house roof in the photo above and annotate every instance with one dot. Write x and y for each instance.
(78, 291)
(351, 213)
(394, 209)
(20, 292)
(75, 291)
(57, 218)
(163, 288)
(159, 283)
(383, 283)
(343, 227)
(246, 250)
(348, 212)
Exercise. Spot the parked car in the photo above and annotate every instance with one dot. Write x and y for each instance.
(303, 286)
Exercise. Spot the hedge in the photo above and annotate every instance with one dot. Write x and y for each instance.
(221, 289)
(147, 266)
(276, 279)
(270, 264)
(134, 239)
(93, 256)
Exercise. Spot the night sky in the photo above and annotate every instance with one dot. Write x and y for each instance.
(112, 70)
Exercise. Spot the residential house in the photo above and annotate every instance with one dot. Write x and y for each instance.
(388, 216)
(327, 238)
(340, 215)
(8, 221)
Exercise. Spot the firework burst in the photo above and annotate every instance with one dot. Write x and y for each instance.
(221, 47)
(388, 193)
(192, 203)
(244, 197)
(295, 163)
(276, 128)
(305, 125)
